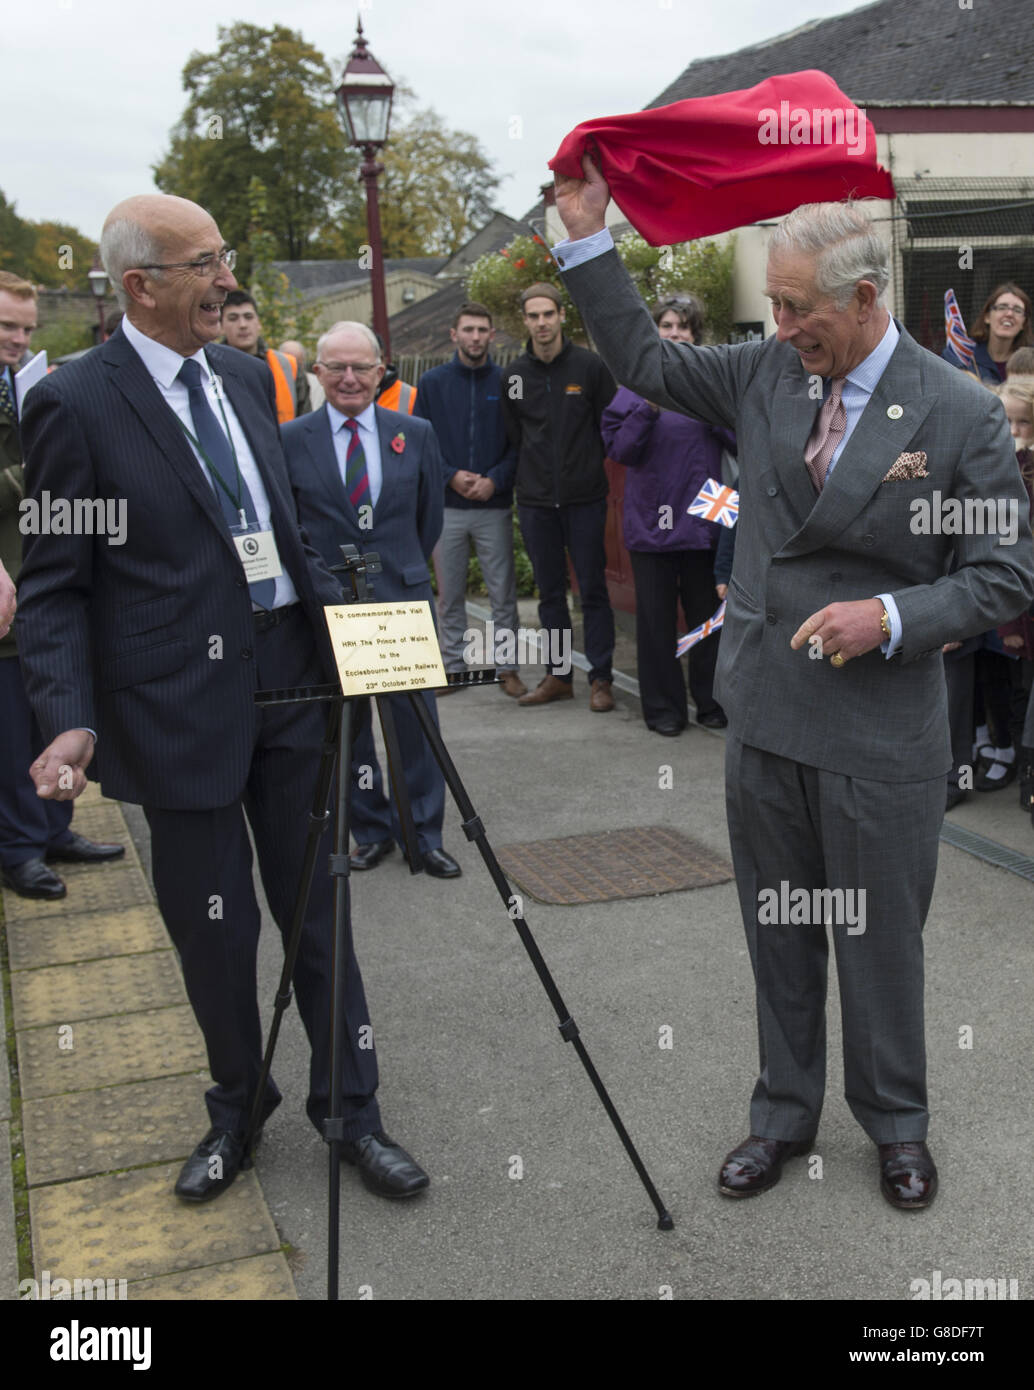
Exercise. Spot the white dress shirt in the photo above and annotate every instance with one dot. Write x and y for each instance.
(164, 365)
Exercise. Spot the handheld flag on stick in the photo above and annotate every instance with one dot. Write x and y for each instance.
(690, 639)
(716, 503)
(959, 341)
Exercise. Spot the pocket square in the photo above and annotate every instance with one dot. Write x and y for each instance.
(906, 467)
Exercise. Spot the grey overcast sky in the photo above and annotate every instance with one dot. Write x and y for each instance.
(92, 87)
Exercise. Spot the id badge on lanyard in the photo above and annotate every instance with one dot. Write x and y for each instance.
(256, 549)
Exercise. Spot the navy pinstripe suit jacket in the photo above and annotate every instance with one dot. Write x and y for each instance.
(151, 642)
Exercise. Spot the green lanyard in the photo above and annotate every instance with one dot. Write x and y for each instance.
(217, 477)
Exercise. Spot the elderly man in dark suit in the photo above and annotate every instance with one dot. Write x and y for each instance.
(144, 657)
(372, 477)
(830, 666)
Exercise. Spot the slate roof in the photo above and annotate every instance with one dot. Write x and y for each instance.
(320, 276)
(894, 52)
(423, 328)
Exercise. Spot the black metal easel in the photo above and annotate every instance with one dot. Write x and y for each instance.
(337, 739)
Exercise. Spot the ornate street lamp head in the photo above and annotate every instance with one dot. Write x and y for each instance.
(364, 97)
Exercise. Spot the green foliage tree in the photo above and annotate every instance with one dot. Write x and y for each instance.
(437, 188)
(702, 268)
(280, 307)
(16, 239)
(262, 107)
(61, 256)
(498, 280)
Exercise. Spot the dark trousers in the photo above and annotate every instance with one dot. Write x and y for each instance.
(29, 826)
(550, 535)
(374, 816)
(661, 579)
(202, 876)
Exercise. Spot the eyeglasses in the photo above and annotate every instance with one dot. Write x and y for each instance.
(340, 368)
(207, 265)
(1016, 309)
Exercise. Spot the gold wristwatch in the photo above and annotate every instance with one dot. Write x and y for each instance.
(885, 625)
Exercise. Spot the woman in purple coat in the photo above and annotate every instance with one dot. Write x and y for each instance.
(669, 457)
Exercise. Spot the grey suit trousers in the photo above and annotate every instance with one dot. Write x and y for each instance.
(798, 827)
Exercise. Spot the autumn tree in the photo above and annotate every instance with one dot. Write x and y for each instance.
(438, 185)
(280, 306)
(16, 239)
(262, 107)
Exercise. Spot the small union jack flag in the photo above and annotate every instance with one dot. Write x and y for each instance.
(690, 639)
(716, 503)
(955, 331)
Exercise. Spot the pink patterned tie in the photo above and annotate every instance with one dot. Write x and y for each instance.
(827, 434)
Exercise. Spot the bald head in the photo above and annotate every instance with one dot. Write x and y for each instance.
(151, 245)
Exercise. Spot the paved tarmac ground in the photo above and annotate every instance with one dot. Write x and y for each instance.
(532, 1196)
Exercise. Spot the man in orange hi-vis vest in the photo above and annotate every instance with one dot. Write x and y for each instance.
(240, 322)
(399, 395)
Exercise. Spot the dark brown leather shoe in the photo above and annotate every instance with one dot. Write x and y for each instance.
(384, 1166)
(601, 699)
(549, 688)
(908, 1175)
(756, 1164)
(511, 684)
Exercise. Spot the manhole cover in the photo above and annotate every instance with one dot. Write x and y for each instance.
(635, 863)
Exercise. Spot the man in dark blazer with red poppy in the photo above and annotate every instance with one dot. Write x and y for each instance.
(372, 478)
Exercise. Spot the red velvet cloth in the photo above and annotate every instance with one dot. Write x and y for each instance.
(708, 164)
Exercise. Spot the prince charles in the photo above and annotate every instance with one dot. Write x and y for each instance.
(830, 667)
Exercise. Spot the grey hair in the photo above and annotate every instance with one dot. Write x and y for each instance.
(126, 245)
(340, 326)
(845, 245)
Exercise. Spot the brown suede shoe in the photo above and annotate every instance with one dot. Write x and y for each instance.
(601, 699)
(549, 688)
(510, 683)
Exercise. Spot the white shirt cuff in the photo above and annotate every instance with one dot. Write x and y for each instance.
(569, 253)
(889, 648)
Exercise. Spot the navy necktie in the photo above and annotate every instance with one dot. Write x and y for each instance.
(215, 444)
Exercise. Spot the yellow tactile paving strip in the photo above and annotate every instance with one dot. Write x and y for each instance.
(111, 1070)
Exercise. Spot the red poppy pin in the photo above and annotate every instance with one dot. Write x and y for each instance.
(399, 443)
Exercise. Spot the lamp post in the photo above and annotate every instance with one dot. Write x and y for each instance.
(364, 101)
(99, 288)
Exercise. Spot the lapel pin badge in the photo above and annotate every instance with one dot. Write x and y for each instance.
(894, 412)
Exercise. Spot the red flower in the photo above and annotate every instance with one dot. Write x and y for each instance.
(399, 443)
(503, 252)
(519, 264)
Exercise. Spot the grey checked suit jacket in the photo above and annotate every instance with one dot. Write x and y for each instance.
(795, 553)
